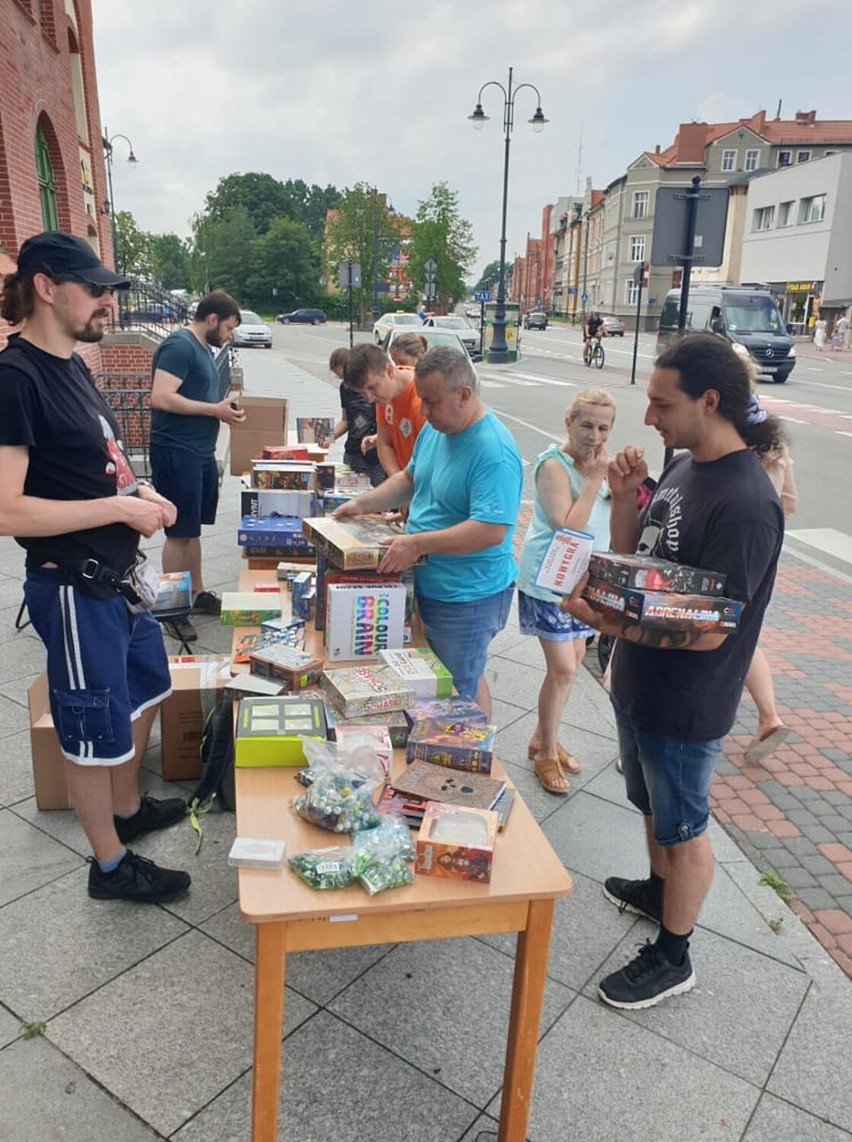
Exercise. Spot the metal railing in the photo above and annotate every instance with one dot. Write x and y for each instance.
(147, 308)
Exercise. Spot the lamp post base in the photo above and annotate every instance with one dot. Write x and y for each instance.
(498, 357)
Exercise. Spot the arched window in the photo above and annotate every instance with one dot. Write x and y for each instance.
(46, 184)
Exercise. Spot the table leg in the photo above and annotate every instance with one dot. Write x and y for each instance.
(527, 998)
(269, 973)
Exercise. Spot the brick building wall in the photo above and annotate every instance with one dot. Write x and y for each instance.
(49, 82)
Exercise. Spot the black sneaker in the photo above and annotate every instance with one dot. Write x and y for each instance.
(181, 629)
(633, 896)
(647, 980)
(152, 815)
(207, 603)
(136, 878)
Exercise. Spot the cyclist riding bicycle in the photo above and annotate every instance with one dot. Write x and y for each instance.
(594, 328)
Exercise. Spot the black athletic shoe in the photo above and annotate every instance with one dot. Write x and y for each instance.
(138, 879)
(181, 629)
(633, 896)
(207, 603)
(152, 815)
(647, 980)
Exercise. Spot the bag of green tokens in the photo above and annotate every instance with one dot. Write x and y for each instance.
(376, 860)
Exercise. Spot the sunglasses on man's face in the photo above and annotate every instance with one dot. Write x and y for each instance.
(95, 290)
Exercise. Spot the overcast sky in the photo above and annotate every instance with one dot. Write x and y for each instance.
(338, 91)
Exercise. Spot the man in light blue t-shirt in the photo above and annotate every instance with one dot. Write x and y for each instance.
(463, 484)
(187, 409)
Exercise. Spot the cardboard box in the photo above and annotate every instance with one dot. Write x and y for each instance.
(646, 573)
(51, 792)
(283, 475)
(351, 544)
(665, 610)
(467, 746)
(420, 666)
(456, 843)
(265, 423)
(362, 690)
(197, 682)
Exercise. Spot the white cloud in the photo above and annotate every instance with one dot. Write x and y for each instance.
(380, 92)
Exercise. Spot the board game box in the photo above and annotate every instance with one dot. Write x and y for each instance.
(456, 842)
(269, 731)
(565, 561)
(288, 475)
(247, 609)
(365, 689)
(423, 669)
(272, 531)
(296, 668)
(647, 573)
(361, 621)
(174, 592)
(665, 610)
(277, 502)
(453, 709)
(467, 746)
(394, 721)
(351, 543)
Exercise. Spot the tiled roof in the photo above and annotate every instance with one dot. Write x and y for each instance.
(693, 138)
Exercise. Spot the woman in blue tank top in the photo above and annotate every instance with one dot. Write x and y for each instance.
(571, 491)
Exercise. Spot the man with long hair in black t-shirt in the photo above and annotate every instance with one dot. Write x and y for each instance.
(70, 498)
(675, 692)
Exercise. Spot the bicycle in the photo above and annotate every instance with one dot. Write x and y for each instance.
(593, 352)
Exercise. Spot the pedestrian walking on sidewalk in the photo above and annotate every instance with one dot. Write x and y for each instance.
(570, 491)
(777, 462)
(675, 693)
(820, 329)
(463, 483)
(187, 408)
(69, 496)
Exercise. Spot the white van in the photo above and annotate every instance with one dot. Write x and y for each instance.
(747, 316)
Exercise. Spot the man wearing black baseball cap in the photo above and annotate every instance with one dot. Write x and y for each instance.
(70, 498)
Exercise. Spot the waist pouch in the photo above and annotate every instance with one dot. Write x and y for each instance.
(137, 586)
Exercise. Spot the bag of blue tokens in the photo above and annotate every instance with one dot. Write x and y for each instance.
(340, 796)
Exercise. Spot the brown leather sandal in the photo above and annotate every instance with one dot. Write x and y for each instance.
(566, 760)
(551, 775)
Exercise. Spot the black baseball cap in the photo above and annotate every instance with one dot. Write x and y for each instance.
(60, 253)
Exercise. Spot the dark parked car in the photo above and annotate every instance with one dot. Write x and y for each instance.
(302, 317)
(535, 319)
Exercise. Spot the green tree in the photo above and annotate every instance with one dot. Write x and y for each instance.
(312, 204)
(229, 261)
(170, 257)
(440, 234)
(488, 277)
(261, 196)
(284, 259)
(364, 229)
(134, 247)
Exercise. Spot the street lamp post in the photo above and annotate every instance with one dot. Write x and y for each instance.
(498, 353)
(107, 142)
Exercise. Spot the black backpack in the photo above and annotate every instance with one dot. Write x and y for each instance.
(216, 784)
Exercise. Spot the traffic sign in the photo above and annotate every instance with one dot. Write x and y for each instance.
(584, 297)
(670, 215)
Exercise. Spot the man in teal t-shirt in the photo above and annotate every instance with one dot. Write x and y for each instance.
(187, 409)
(464, 486)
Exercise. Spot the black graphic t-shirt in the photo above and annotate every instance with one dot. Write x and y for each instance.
(722, 515)
(51, 406)
(361, 422)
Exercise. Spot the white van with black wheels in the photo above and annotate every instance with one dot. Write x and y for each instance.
(744, 315)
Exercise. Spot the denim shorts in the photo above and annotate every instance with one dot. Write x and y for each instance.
(460, 634)
(104, 667)
(667, 779)
(545, 620)
(191, 482)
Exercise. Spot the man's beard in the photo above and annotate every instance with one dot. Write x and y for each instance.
(91, 334)
(213, 337)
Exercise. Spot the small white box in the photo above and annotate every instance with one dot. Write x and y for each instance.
(565, 561)
(249, 852)
(362, 620)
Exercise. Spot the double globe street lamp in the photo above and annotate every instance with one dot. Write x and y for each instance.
(498, 353)
(107, 142)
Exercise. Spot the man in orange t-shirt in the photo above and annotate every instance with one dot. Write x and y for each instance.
(399, 418)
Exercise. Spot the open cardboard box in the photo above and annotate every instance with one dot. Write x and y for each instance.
(196, 684)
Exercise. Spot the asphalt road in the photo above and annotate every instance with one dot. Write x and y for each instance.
(531, 396)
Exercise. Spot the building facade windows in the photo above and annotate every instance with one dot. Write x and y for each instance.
(729, 160)
(764, 218)
(786, 214)
(803, 157)
(640, 204)
(631, 292)
(637, 248)
(785, 158)
(751, 160)
(46, 184)
(812, 209)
